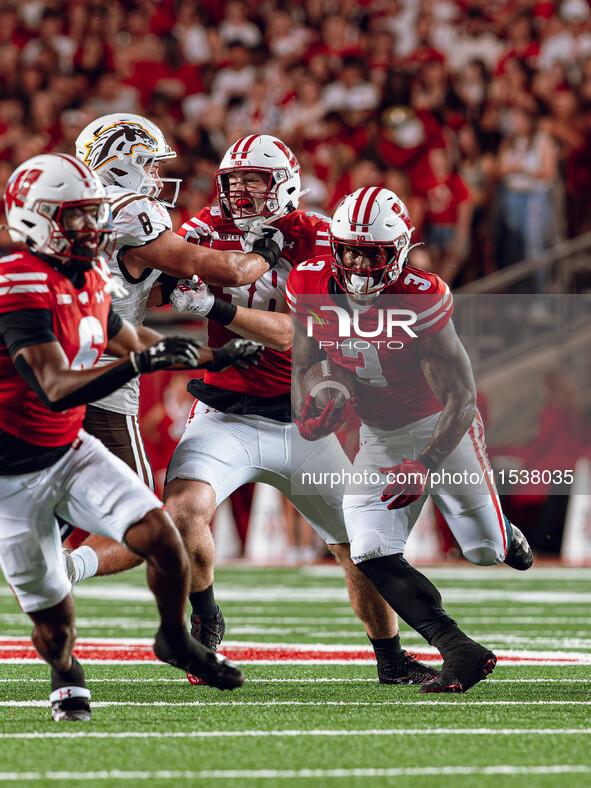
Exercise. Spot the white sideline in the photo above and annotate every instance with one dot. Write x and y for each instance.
(297, 733)
(274, 774)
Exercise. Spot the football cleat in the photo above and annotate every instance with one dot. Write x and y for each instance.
(406, 669)
(70, 704)
(464, 667)
(194, 658)
(519, 555)
(208, 633)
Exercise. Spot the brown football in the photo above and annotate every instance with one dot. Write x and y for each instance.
(325, 381)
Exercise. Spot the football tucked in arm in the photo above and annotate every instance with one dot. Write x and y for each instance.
(325, 381)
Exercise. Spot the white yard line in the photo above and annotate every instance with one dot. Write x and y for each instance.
(323, 704)
(277, 594)
(298, 733)
(315, 774)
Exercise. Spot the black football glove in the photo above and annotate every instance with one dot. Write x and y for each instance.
(238, 352)
(264, 240)
(166, 353)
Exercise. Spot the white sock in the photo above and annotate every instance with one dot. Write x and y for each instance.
(85, 563)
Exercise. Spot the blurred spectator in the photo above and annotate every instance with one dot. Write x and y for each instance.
(236, 77)
(351, 90)
(192, 34)
(526, 168)
(474, 41)
(237, 27)
(448, 214)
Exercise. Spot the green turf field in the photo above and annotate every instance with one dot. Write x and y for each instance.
(314, 724)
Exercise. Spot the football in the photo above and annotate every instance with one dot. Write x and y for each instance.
(325, 381)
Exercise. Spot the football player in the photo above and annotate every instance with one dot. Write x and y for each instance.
(56, 320)
(415, 396)
(125, 151)
(240, 429)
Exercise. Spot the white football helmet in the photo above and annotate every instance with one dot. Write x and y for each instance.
(59, 207)
(375, 223)
(122, 149)
(276, 163)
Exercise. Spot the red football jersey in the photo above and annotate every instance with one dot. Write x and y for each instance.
(80, 326)
(377, 344)
(306, 235)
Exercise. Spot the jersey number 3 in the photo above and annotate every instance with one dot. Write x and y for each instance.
(90, 332)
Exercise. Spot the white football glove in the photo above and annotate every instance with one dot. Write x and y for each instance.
(198, 232)
(261, 233)
(193, 296)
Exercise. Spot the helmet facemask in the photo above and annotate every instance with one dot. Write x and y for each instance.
(81, 233)
(256, 204)
(363, 268)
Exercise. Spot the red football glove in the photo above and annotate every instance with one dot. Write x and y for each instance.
(313, 427)
(408, 485)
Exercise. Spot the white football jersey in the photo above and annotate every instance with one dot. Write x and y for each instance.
(138, 220)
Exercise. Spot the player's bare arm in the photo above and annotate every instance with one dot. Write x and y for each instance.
(303, 350)
(131, 338)
(46, 369)
(172, 255)
(272, 329)
(448, 371)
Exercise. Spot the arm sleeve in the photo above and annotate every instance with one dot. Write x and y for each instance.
(114, 324)
(167, 285)
(25, 327)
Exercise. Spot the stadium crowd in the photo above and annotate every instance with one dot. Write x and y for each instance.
(477, 113)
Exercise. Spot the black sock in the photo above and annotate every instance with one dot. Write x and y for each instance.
(386, 649)
(71, 678)
(409, 593)
(203, 604)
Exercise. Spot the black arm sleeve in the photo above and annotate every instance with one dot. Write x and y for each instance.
(114, 323)
(26, 327)
(167, 285)
(111, 380)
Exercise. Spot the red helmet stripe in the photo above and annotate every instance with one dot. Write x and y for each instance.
(242, 147)
(363, 206)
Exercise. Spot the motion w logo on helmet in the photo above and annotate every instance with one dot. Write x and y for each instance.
(109, 143)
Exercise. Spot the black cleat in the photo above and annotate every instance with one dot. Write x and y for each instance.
(406, 669)
(71, 710)
(519, 555)
(198, 660)
(208, 633)
(464, 667)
